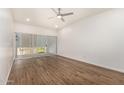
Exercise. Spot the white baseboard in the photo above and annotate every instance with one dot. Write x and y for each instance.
(85, 61)
(9, 70)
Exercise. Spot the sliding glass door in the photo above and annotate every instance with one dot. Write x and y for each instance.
(41, 44)
(52, 44)
(29, 44)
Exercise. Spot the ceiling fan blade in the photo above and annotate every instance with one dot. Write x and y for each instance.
(66, 14)
(52, 17)
(59, 9)
(62, 19)
(54, 10)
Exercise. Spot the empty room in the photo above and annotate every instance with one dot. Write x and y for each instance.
(61, 46)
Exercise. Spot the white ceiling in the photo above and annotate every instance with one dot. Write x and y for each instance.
(39, 16)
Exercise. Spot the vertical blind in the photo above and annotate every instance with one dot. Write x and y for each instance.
(34, 41)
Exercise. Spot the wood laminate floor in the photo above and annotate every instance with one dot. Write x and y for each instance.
(51, 70)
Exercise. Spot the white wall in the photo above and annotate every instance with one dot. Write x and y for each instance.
(98, 40)
(19, 27)
(6, 44)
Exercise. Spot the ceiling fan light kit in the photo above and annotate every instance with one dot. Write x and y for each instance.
(59, 16)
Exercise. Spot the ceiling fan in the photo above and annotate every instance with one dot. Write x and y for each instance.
(59, 14)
